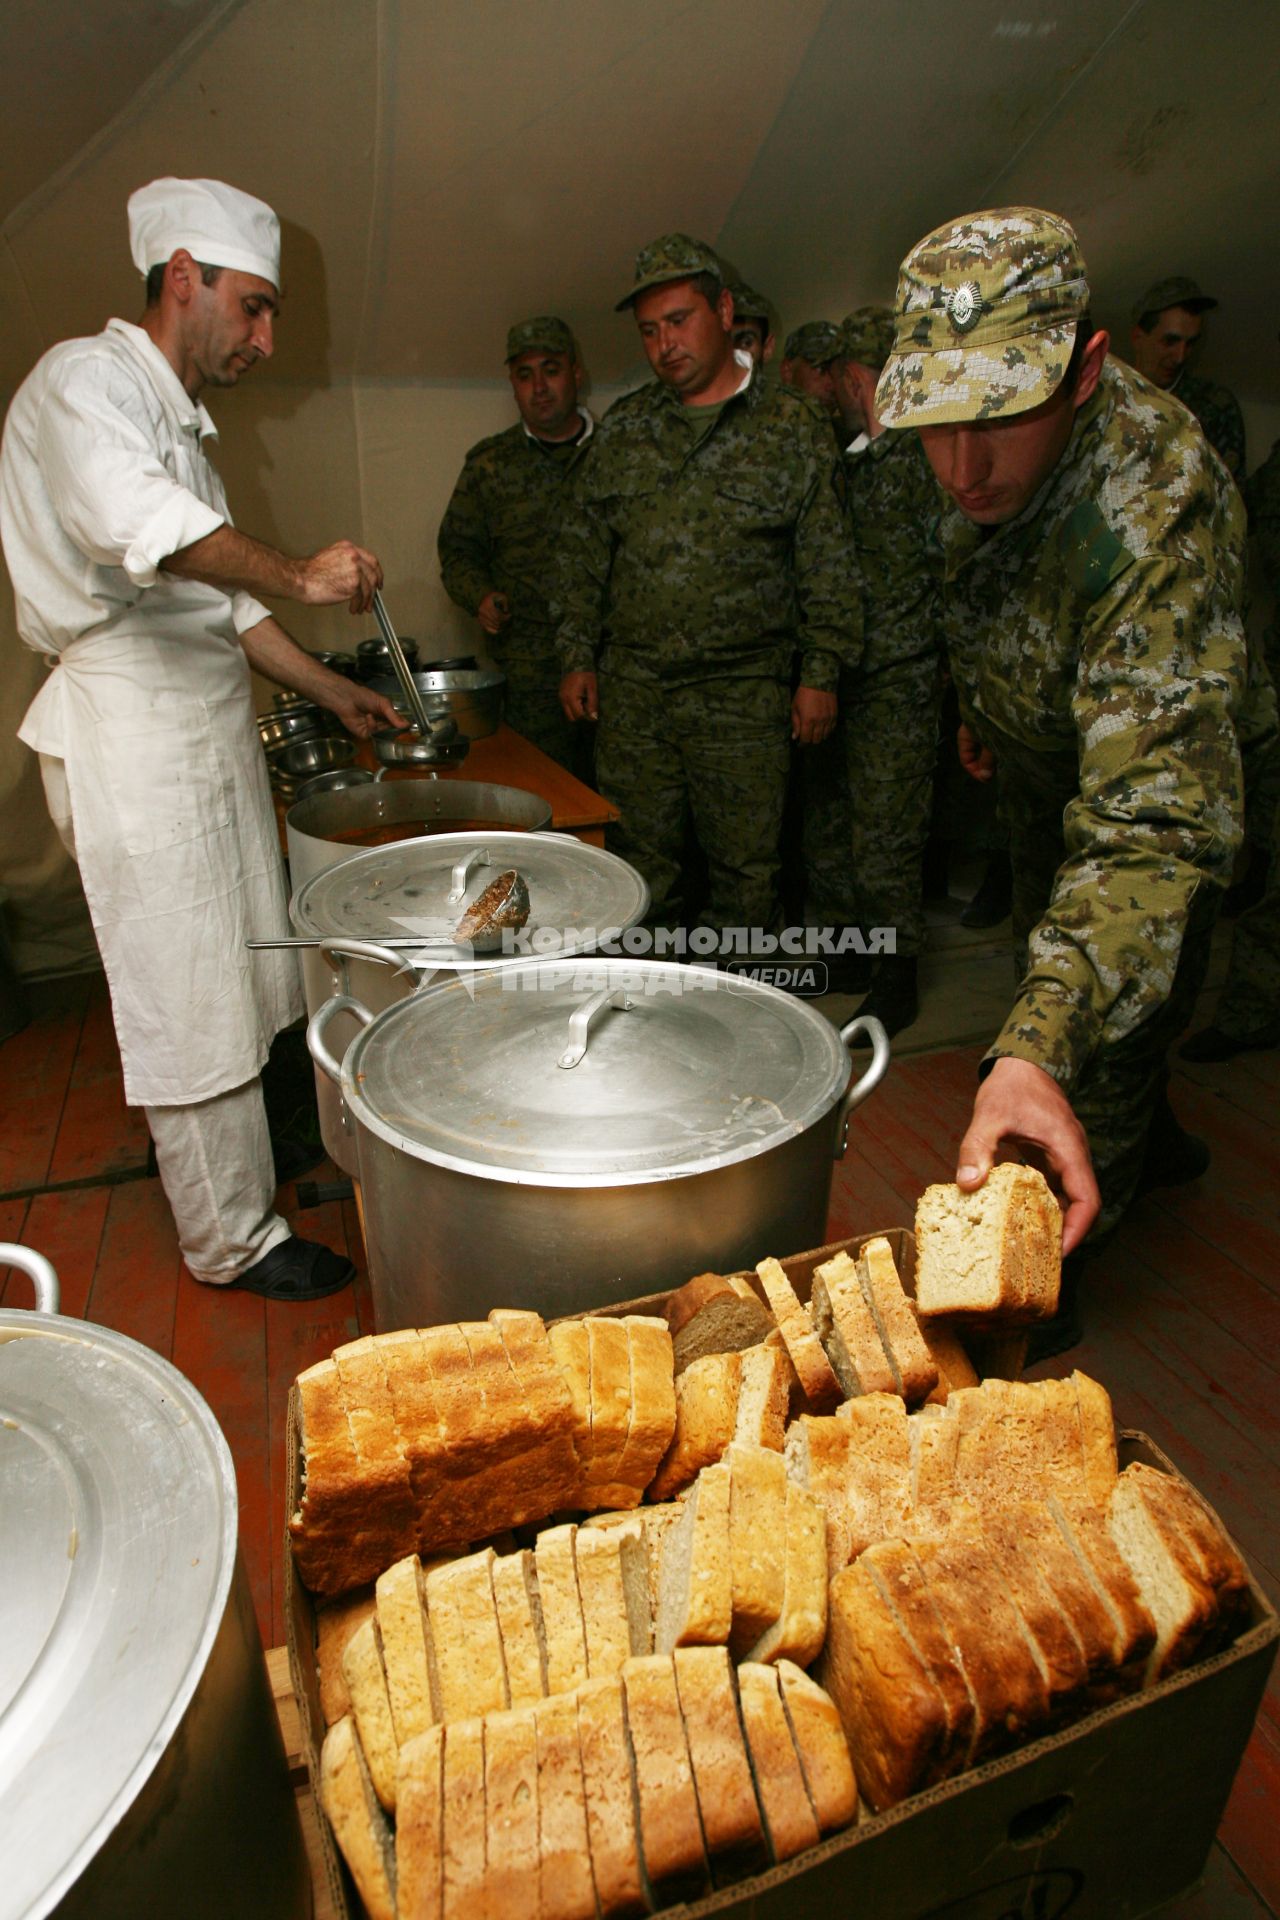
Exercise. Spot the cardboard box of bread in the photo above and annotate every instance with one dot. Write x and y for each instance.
(608, 1712)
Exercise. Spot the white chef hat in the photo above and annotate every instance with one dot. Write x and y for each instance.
(217, 224)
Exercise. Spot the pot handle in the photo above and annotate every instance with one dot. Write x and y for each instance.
(316, 1045)
(581, 1022)
(462, 872)
(38, 1270)
(866, 1082)
(365, 950)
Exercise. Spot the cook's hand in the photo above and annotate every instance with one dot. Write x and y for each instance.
(1019, 1106)
(494, 612)
(978, 761)
(341, 572)
(361, 711)
(580, 696)
(813, 716)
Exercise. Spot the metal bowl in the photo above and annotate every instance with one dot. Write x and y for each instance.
(408, 749)
(335, 781)
(279, 730)
(323, 753)
(472, 697)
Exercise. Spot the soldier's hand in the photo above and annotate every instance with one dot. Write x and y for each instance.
(1021, 1113)
(580, 696)
(813, 716)
(494, 612)
(341, 572)
(978, 761)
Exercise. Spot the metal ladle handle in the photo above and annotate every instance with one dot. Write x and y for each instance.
(408, 685)
(581, 1022)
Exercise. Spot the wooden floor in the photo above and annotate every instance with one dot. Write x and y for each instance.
(1183, 1315)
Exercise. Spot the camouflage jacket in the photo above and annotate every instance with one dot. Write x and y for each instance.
(694, 550)
(894, 504)
(1263, 496)
(1097, 648)
(502, 525)
(1218, 411)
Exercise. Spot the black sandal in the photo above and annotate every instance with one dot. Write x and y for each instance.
(297, 1270)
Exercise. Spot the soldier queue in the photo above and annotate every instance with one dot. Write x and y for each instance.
(705, 580)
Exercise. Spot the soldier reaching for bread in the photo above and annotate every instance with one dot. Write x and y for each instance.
(1093, 557)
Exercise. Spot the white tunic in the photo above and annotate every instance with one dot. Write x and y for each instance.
(103, 474)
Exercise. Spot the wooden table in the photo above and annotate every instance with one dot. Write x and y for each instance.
(507, 759)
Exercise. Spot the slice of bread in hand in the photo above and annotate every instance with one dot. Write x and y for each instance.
(818, 1383)
(420, 1827)
(757, 1541)
(993, 1253)
(611, 1798)
(892, 1712)
(360, 1826)
(566, 1889)
(671, 1847)
(766, 1389)
(912, 1365)
(846, 1326)
(706, 1396)
(402, 1625)
(511, 1813)
(366, 1679)
(731, 1824)
(821, 1746)
(785, 1807)
(714, 1313)
(695, 1585)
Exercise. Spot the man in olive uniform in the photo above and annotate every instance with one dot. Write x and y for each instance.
(752, 321)
(705, 545)
(498, 538)
(1167, 327)
(1093, 556)
(868, 791)
(806, 362)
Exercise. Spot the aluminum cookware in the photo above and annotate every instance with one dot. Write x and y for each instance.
(372, 656)
(334, 781)
(554, 1134)
(277, 730)
(323, 828)
(577, 895)
(471, 695)
(441, 746)
(141, 1766)
(322, 753)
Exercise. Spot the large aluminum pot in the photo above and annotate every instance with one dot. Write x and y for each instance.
(556, 1135)
(431, 806)
(576, 894)
(141, 1766)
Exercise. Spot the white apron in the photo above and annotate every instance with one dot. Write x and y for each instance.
(174, 827)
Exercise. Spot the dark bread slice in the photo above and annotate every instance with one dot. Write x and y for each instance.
(714, 1313)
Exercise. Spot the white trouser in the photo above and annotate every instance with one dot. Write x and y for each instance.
(214, 1155)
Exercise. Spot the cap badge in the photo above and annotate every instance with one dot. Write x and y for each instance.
(964, 305)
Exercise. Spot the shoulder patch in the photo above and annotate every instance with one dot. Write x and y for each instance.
(1091, 552)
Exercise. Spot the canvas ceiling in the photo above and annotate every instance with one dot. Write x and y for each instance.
(442, 167)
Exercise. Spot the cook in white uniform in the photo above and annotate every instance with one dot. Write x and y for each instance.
(130, 578)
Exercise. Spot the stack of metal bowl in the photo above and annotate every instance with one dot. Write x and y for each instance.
(302, 741)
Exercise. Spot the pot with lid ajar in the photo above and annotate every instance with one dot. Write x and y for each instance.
(559, 1134)
(142, 1770)
(423, 887)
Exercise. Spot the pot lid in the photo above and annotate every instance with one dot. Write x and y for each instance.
(118, 1542)
(577, 893)
(607, 1071)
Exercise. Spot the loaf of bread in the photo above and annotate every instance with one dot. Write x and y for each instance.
(993, 1254)
(714, 1313)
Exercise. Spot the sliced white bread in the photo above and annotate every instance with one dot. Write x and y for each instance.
(1182, 1604)
(1133, 1630)
(1031, 1525)
(846, 1327)
(817, 1456)
(914, 1373)
(511, 1814)
(695, 1583)
(463, 1827)
(822, 1748)
(403, 1629)
(995, 1253)
(562, 1625)
(1045, 1622)
(335, 1624)
(572, 1356)
(1198, 1536)
(603, 1594)
(950, 1356)
(359, 1824)
(892, 1712)
(714, 1313)
(566, 1890)
(380, 1453)
(610, 1361)
(366, 1679)
(610, 1796)
(879, 1473)
(934, 1439)
(519, 1610)
(706, 1396)
(822, 1391)
(800, 1629)
(420, 1827)
(413, 1397)
(785, 1808)
(731, 1825)
(672, 1853)
(763, 1401)
(984, 1628)
(530, 1357)
(468, 1674)
(653, 1404)
(1097, 1437)
(757, 1542)
(895, 1570)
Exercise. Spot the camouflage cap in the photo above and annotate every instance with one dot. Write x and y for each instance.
(1175, 292)
(546, 332)
(672, 257)
(986, 312)
(748, 304)
(815, 342)
(866, 336)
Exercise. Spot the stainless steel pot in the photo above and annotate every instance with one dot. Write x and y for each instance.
(471, 696)
(141, 1766)
(577, 894)
(433, 806)
(555, 1135)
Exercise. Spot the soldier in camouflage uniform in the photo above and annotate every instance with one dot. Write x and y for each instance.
(1093, 583)
(806, 362)
(1167, 326)
(867, 792)
(705, 544)
(498, 538)
(752, 321)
